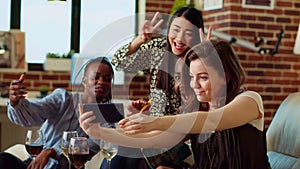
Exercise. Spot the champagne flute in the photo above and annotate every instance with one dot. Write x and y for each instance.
(78, 151)
(34, 143)
(109, 151)
(66, 137)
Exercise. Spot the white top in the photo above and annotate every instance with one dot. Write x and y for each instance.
(258, 123)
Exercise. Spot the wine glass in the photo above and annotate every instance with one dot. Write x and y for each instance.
(78, 151)
(109, 151)
(34, 142)
(65, 140)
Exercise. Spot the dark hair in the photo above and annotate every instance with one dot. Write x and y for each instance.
(166, 72)
(234, 73)
(100, 60)
(192, 15)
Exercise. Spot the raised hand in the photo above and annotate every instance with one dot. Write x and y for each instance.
(202, 35)
(17, 90)
(151, 28)
(148, 30)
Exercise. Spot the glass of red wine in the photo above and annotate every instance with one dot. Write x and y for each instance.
(34, 142)
(78, 151)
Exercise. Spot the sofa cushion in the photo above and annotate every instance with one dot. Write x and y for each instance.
(282, 161)
(283, 134)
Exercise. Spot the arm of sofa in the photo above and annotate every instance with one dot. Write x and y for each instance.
(18, 150)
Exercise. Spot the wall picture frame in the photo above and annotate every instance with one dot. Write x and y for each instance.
(259, 4)
(212, 4)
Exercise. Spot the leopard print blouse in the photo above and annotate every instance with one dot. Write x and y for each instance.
(149, 57)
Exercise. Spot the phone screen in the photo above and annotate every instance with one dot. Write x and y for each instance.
(106, 112)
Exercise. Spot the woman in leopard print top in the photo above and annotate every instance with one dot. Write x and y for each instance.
(158, 55)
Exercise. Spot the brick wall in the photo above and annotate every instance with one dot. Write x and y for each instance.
(35, 79)
(163, 6)
(274, 77)
(136, 85)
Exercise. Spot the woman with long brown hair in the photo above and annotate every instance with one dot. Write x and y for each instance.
(224, 121)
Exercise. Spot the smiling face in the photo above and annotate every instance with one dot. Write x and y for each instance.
(200, 81)
(181, 35)
(98, 80)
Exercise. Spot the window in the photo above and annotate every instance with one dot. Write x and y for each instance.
(259, 4)
(4, 15)
(47, 24)
(47, 28)
(105, 26)
(97, 16)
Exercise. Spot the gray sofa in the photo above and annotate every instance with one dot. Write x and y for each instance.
(283, 135)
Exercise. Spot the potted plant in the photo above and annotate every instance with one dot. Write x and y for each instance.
(58, 62)
(43, 90)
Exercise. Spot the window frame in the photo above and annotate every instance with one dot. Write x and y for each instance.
(259, 6)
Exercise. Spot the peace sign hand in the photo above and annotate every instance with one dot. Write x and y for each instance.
(202, 35)
(151, 28)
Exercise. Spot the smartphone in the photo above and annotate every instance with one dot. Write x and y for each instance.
(106, 112)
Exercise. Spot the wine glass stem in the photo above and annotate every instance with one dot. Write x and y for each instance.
(108, 164)
(33, 158)
(70, 165)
